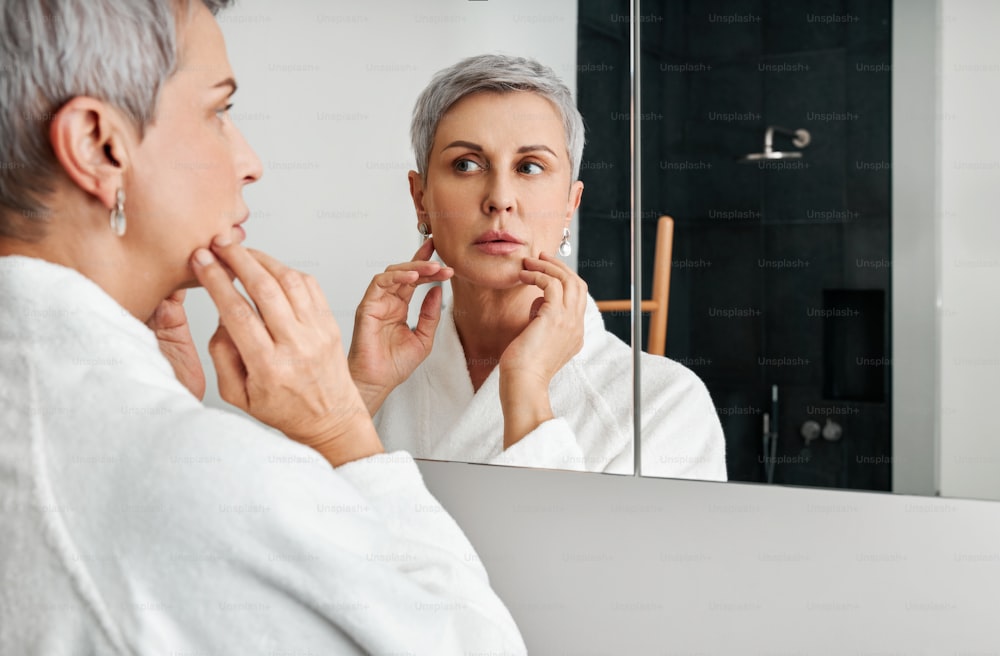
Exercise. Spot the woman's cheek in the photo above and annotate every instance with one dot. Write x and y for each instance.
(445, 253)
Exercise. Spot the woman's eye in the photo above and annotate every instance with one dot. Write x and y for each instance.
(467, 165)
(531, 168)
(223, 112)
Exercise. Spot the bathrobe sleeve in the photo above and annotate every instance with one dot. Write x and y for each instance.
(681, 433)
(552, 445)
(444, 594)
(284, 554)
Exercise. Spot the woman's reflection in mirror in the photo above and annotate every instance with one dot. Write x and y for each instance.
(517, 368)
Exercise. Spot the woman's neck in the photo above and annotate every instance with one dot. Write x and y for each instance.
(487, 321)
(107, 267)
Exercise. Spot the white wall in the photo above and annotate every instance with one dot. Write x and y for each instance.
(969, 358)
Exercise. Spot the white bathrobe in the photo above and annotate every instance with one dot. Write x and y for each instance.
(134, 520)
(435, 414)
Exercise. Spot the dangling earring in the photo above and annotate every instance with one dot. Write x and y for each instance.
(425, 230)
(565, 248)
(118, 214)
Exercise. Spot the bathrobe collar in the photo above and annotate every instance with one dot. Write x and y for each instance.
(446, 376)
(58, 309)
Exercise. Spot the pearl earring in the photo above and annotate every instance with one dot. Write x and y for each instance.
(565, 247)
(117, 218)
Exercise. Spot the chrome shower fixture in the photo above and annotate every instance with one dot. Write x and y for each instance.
(800, 139)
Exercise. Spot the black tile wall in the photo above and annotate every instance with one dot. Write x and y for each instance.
(603, 84)
(756, 244)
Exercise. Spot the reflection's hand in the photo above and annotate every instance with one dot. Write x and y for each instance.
(170, 325)
(553, 336)
(284, 366)
(385, 350)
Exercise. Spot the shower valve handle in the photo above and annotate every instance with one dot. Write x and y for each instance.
(810, 431)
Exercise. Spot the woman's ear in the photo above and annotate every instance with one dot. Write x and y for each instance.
(417, 193)
(573, 203)
(88, 140)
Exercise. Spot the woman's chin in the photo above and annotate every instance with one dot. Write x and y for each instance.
(499, 278)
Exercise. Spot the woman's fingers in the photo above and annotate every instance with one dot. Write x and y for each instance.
(550, 265)
(244, 327)
(168, 314)
(316, 292)
(292, 282)
(552, 288)
(387, 284)
(536, 305)
(430, 315)
(573, 286)
(266, 292)
(229, 368)
(427, 271)
(402, 280)
(425, 251)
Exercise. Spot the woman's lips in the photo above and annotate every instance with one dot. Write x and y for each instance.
(498, 242)
(498, 247)
(238, 229)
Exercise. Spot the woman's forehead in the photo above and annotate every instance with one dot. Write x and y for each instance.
(522, 115)
(201, 46)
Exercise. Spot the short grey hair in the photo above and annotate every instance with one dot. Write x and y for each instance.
(118, 51)
(496, 73)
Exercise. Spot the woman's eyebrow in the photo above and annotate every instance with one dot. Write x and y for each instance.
(476, 147)
(528, 149)
(464, 144)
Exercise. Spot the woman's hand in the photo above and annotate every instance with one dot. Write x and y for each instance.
(385, 350)
(284, 366)
(169, 324)
(554, 334)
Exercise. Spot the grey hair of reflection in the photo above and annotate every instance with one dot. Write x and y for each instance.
(498, 73)
(118, 51)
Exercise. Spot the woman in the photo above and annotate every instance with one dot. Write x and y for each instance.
(522, 370)
(136, 520)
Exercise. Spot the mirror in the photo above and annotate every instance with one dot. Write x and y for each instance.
(326, 95)
(818, 227)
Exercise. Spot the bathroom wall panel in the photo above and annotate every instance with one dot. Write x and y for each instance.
(868, 139)
(867, 252)
(741, 406)
(713, 35)
(800, 260)
(604, 232)
(810, 95)
(802, 26)
(748, 65)
(873, 24)
(725, 314)
(603, 78)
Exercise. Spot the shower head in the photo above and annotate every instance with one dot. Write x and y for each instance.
(800, 139)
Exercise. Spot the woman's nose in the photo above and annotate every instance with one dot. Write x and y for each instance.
(248, 165)
(499, 194)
